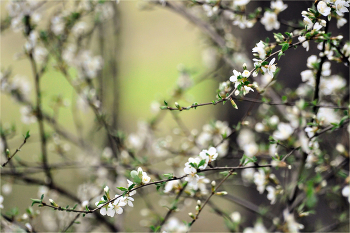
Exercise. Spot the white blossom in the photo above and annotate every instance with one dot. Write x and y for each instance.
(1, 201)
(175, 226)
(271, 194)
(271, 68)
(305, 44)
(259, 127)
(323, 8)
(284, 131)
(278, 6)
(126, 201)
(209, 155)
(27, 115)
(258, 228)
(40, 54)
(251, 149)
(345, 192)
(307, 21)
(308, 77)
(332, 85)
(171, 185)
(341, 7)
(260, 50)
(260, 180)
(201, 184)
(328, 116)
(341, 22)
(311, 61)
(293, 226)
(240, 2)
(269, 20)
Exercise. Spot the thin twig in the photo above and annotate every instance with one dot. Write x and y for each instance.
(17, 150)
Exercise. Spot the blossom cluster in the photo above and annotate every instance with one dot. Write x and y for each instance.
(110, 208)
(196, 164)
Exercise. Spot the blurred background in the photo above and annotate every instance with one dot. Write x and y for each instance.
(148, 51)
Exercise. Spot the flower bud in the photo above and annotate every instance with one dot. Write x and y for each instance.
(222, 193)
(53, 203)
(191, 215)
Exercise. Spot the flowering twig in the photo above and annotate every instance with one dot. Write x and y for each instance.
(56, 207)
(211, 194)
(17, 150)
(174, 207)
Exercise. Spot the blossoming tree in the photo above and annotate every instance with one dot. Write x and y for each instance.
(291, 146)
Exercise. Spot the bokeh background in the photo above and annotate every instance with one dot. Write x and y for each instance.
(153, 44)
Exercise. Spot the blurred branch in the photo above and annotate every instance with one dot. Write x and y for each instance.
(17, 150)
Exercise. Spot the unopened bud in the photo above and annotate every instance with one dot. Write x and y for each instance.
(191, 215)
(53, 203)
(199, 202)
(222, 193)
(7, 153)
(213, 183)
(244, 66)
(177, 105)
(245, 122)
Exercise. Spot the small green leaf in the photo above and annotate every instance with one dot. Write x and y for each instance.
(285, 46)
(137, 180)
(131, 186)
(42, 197)
(201, 163)
(122, 189)
(27, 135)
(168, 175)
(280, 54)
(75, 206)
(36, 201)
(284, 99)
(224, 173)
(163, 107)
(166, 103)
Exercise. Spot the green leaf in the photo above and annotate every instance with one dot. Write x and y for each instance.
(168, 175)
(87, 208)
(285, 46)
(224, 173)
(166, 103)
(131, 186)
(137, 180)
(122, 189)
(35, 201)
(242, 160)
(75, 206)
(163, 107)
(284, 99)
(201, 163)
(101, 202)
(42, 197)
(27, 135)
(280, 54)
